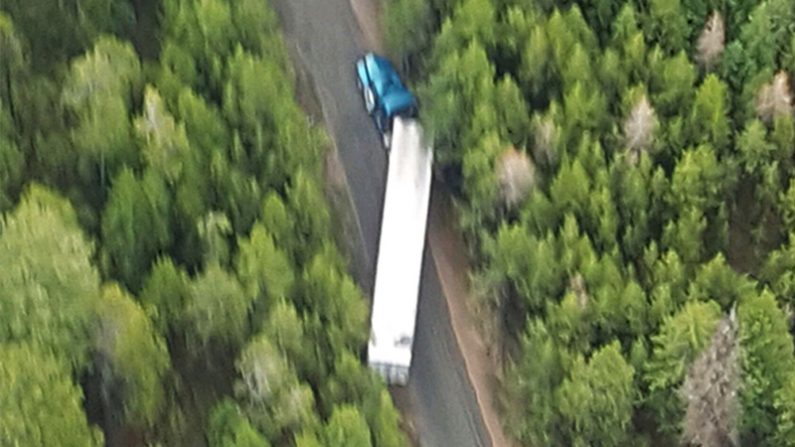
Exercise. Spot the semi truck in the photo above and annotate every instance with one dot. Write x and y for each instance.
(385, 96)
(404, 219)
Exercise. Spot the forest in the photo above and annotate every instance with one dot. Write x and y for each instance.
(624, 177)
(168, 268)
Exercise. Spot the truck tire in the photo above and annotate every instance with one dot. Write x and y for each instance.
(369, 99)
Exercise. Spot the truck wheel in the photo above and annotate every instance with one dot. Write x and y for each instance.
(369, 100)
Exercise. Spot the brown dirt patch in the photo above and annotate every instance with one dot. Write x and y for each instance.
(368, 15)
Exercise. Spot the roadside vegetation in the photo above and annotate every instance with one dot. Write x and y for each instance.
(168, 272)
(623, 173)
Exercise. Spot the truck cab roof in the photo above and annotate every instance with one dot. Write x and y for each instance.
(391, 95)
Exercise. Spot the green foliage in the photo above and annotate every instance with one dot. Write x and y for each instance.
(55, 41)
(214, 230)
(767, 361)
(668, 276)
(347, 427)
(218, 308)
(534, 380)
(644, 243)
(471, 21)
(569, 320)
(570, 188)
(463, 82)
(755, 149)
(201, 181)
(258, 28)
(630, 42)
(308, 439)
(762, 39)
(165, 294)
(385, 428)
(622, 311)
(536, 68)
(214, 18)
(667, 24)
(165, 141)
(201, 30)
(136, 354)
(274, 399)
(699, 179)
(230, 428)
(275, 136)
(681, 338)
(585, 111)
(277, 220)
(407, 29)
(238, 193)
(39, 403)
(522, 259)
(512, 111)
(311, 218)
(111, 68)
(203, 124)
(638, 193)
(709, 120)
(596, 401)
(785, 405)
(11, 161)
(48, 286)
(263, 268)
(287, 330)
(480, 181)
(716, 281)
(12, 53)
(783, 136)
(177, 69)
(788, 59)
(354, 383)
(685, 236)
(337, 302)
(100, 90)
(672, 86)
(351, 382)
(787, 210)
(779, 272)
(135, 225)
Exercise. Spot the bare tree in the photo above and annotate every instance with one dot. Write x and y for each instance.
(639, 128)
(774, 98)
(710, 390)
(711, 41)
(516, 175)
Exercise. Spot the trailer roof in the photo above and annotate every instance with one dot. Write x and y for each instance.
(402, 241)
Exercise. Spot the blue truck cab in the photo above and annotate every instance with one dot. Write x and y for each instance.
(385, 96)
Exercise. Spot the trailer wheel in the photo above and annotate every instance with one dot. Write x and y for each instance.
(369, 99)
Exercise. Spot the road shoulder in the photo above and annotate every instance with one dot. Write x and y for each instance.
(481, 365)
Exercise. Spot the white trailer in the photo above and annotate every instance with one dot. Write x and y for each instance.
(401, 245)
